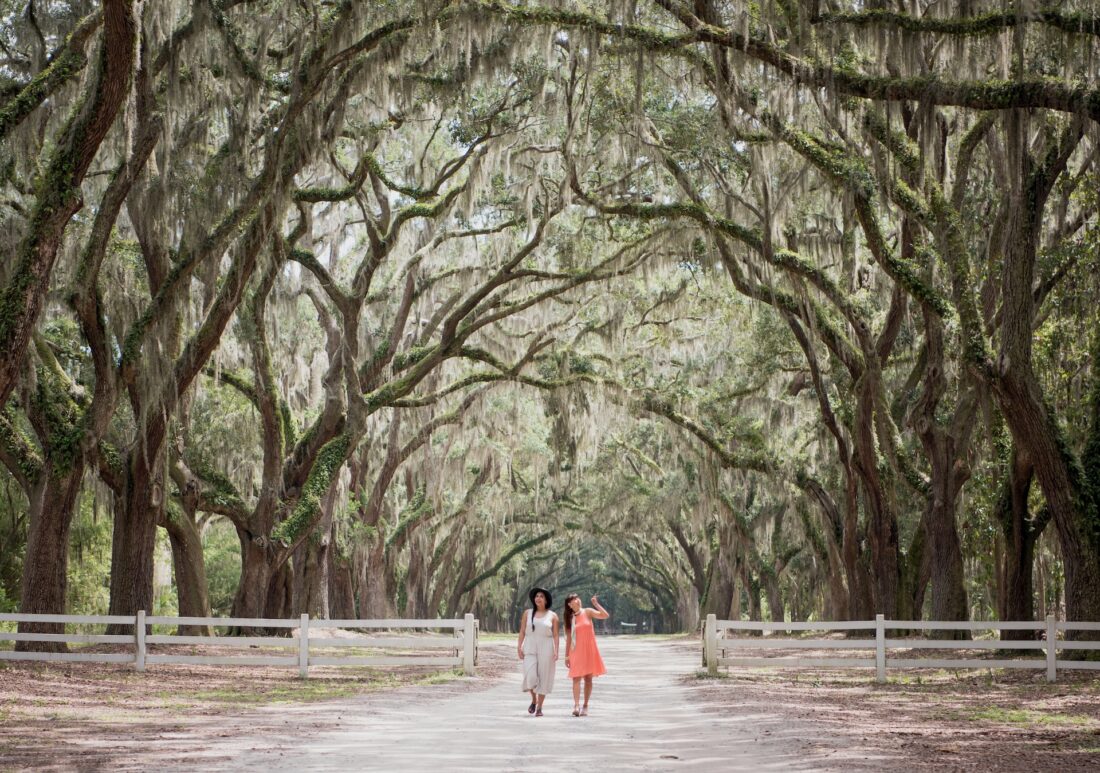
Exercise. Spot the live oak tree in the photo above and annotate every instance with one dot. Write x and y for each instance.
(798, 300)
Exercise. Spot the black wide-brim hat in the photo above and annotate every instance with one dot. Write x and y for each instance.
(549, 598)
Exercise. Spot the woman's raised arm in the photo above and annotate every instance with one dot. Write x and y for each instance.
(599, 612)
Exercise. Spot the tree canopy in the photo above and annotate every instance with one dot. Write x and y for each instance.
(781, 309)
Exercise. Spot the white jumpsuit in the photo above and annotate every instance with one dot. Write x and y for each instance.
(538, 653)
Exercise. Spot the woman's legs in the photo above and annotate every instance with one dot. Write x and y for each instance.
(587, 689)
(577, 692)
(538, 704)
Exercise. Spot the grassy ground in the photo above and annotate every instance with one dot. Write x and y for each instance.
(66, 716)
(934, 719)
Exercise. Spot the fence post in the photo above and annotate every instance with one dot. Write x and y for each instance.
(469, 633)
(139, 640)
(303, 647)
(710, 644)
(880, 648)
(1052, 649)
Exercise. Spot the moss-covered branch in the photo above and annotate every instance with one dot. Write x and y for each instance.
(17, 451)
(758, 461)
(940, 216)
(323, 473)
(218, 494)
(368, 164)
(508, 555)
(232, 37)
(991, 94)
(57, 195)
(416, 510)
(782, 258)
(989, 23)
(65, 65)
(485, 377)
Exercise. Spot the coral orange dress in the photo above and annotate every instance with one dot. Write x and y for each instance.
(584, 659)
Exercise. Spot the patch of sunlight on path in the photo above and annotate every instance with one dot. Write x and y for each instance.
(641, 719)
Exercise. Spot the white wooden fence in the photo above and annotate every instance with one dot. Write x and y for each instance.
(312, 646)
(715, 649)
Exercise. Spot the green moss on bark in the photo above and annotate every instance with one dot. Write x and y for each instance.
(41, 86)
(406, 359)
(19, 446)
(989, 23)
(325, 469)
(62, 418)
(218, 490)
(414, 510)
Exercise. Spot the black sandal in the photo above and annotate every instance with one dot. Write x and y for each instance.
(531, 708)
(538, 713)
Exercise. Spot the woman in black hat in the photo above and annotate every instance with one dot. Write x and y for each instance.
(538, 648)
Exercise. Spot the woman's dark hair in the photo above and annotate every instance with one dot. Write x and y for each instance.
(569, 611)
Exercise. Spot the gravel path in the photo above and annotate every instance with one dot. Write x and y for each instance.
(643, 716)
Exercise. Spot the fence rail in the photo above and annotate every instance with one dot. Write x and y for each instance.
(313, 644)
(715, 649)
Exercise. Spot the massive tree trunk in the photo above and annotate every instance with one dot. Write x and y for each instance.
(46, 560)
(341, 588)
(256, 573)
(752, 592)
(1064, 490)
(1035, 430)
(313, 563)
(189, 568)
(839, 595)
(861, 603)
(311, 581)
(776, 608)
(944, 560)
(134, 539)
(1021, 533)
(466, 568)
(721, 586)
(945, 448)
(417, 595)
(374, 599)
(949, 600)
(266, 588)
(882, 519)
(687, 609)
(279, 604)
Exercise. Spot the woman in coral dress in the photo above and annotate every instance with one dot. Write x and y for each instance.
(582, 656)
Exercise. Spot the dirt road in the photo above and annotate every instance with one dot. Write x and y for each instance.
(642, 717)
(649, 713)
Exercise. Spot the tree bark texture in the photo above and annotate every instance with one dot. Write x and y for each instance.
(1021, 533)
(58, 196)
(134, 539)
(1019, 395)
(189, 570)
(46, 560)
